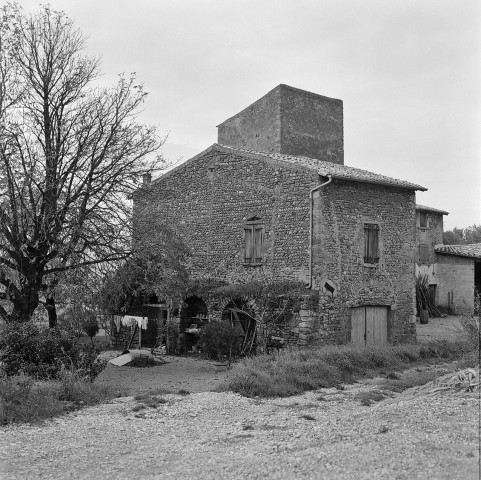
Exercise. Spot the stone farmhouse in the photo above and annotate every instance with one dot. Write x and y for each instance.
(454, 271)
(274, 197)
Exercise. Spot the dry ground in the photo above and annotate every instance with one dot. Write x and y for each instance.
(177, 373)
(325, 434)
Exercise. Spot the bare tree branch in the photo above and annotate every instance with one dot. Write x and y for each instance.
(70, 154)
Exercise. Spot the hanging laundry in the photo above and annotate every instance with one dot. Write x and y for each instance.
(118, 322)
(142, 322)
(129, 320)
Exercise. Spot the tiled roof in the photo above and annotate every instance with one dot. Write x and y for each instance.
(423, 208)
(328, 168)
(472, 250)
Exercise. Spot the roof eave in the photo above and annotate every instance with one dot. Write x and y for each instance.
(376, 182)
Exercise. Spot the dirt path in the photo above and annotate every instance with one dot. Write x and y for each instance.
(177, 373)
(326, 434)
(446, 328)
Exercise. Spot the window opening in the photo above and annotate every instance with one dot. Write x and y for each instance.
(253, 241)
(423, 220)
(371, 243)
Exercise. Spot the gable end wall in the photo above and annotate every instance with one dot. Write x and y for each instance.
(208, 202)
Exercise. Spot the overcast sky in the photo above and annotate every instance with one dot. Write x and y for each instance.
(408, 73)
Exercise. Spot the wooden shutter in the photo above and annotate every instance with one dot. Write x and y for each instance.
(248, 245)
(258, 243)
(423, 253)
(371, 243)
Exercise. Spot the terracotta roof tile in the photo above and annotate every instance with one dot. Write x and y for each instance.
(423, 208)
(328, 168)
(472, 250)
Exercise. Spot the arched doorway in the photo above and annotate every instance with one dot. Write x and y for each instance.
(193, 316)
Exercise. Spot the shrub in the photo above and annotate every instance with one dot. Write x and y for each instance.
(42, 353)
(91, 328)
(470, 327)
(221, 339)
(24, 400)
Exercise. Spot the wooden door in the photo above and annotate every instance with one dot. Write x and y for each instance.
(358, 326)
(369, 325)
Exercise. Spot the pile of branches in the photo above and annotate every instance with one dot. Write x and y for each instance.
(423, 298)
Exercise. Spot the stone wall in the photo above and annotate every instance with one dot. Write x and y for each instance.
(341, 209)
(456, 284)
(258, 127)
(290, 121)
(207, 202)
(208, 199)
(431, 235)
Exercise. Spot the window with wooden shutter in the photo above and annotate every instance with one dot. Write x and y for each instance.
(253, 242)
(423, 253)
(423, 220)
(371, 243)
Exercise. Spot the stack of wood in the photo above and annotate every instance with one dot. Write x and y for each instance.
(423, 298)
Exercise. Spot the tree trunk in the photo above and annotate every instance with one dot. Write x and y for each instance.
(24, 304)
(52, 312)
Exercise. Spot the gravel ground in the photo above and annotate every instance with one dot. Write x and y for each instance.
(222, 435)
(319, 435)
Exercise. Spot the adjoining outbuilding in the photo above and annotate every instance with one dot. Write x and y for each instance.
(453, 271)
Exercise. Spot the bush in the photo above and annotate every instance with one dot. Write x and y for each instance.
(293, 372)
(91, 328)
(24, 400)
(221, 339)
(42, 353)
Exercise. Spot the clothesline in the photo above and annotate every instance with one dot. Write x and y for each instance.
(129, 321)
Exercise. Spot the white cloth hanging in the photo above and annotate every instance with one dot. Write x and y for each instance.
(118, 322)
(130, 320)
(142, 322)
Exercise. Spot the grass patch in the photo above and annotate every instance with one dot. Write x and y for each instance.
(142, 362)
(293, 372)
(23, 400)
(368, 398)
(152, 393)
(148, 400)
(400, 384)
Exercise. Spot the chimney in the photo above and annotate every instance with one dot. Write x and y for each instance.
(290, 121)
(146, 178)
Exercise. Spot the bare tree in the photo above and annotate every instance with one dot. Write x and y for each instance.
(70, 155)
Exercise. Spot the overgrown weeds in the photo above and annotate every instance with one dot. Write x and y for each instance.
(293, 372)
(148, 401)
(24, 400)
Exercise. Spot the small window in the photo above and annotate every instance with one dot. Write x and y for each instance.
(253, 241)
(371, 243)
(423, 253)
(423, 220)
